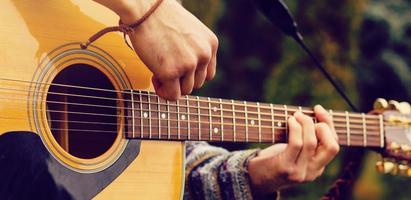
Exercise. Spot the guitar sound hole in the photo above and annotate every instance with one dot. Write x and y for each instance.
(82, 119)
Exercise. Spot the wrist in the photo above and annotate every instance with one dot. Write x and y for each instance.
(132, 10)
(128, 10)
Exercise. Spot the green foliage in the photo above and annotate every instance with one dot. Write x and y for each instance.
(365, 45)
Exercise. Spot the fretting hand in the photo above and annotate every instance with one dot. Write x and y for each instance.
(310, 148)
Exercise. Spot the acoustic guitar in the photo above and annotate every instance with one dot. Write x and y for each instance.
(84, 119)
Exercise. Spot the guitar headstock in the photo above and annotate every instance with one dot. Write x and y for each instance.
(397, 128)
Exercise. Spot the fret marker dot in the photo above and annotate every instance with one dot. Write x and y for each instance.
(183, 117)
(163, 115)
(215, 109)
(215, 130)
(252, 122)
(145, 115)
(279, 124)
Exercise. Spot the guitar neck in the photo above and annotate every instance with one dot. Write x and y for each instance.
(195, 118)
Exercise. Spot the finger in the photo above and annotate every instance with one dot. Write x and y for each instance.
(169, 89)
(309, 139)
(200, 77)
(211, 68)
(327, 148)
(201, 71)
(187, 83)
(323, 116)
(295, 141)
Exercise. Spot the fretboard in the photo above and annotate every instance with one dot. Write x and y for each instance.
(194, 118)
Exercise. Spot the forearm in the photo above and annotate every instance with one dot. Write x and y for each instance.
(214, 173)
(128, 10)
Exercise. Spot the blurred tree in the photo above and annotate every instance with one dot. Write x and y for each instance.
(365, 44)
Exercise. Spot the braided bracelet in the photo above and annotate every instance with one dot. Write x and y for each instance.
(124, 28)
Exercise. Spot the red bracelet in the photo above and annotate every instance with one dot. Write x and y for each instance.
(124, 28)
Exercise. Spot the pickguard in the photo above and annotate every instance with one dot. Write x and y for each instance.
(28, 171)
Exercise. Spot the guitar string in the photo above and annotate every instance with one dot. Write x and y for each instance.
(147, 94)
(127, 92)
(337, 126)
(183, 135)
(188, 106)
(184, 127)
(280, 109)
(230, 118)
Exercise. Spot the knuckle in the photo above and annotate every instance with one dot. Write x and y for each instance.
(307, 120)
(204, 56)
(323, 126)
(167, 74)
(295, 127)
(186, 91)
(214, 42)
(297, 177)
(297, 145)
(189, 65)
(334, 149)
(311, 145)
(310, 178)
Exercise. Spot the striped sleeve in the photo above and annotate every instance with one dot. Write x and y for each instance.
(214, 173)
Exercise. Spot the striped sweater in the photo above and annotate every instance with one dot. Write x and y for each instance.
(215, 173)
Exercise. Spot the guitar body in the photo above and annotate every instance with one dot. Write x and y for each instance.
(47, 132)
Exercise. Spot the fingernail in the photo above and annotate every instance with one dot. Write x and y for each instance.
(297, 113)
(319, 107)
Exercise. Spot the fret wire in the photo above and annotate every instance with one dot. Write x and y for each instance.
(341, 141)
(222, 120)
(259, 122)
(286, 121)
(272, 123)
(268, 114)
(348, 128)
(342, 133)
(133, 115)
(159, 118)
(178, 119)
(199, 118)
(344, 121)
(168, 119)
(306, 111)
(344, 124)
(188, 118)
(246, 121)
(352, 115)
(381, 132)
(263, 126)
(149, 116)
(332, 119)
(128, 117)
(357, 135)
(141, 114)
(210, 119)
(337, 123)
(234, 120)
(364, 130)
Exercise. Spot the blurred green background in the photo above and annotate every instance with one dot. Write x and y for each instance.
(365, 44)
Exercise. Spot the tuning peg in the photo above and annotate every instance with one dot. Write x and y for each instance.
(386, 167)
(394, 147)
(380, 104)
(394, 105)
(406, 149)
(404, 169)
(405, 108)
